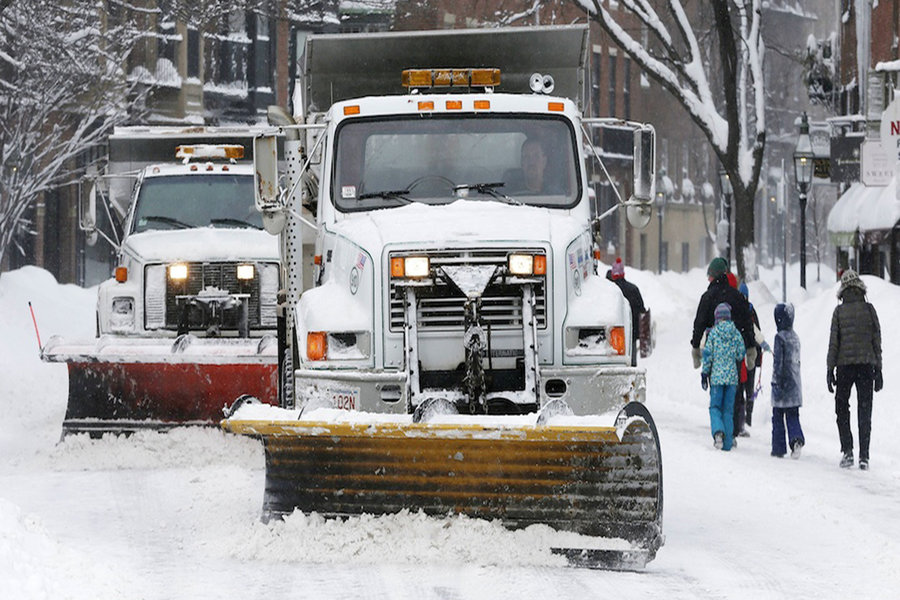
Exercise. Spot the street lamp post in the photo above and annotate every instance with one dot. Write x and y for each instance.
(727, 190)
(803, 172)
(660, 208)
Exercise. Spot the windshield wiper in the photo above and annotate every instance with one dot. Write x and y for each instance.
(489, 190)
(232, 221)
(387, 195)
(167, 221)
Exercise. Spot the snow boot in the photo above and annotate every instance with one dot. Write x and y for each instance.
(864, 464)
(719, 440)
(847, 460)
(796, 447)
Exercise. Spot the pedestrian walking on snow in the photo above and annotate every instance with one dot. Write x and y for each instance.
(746, 393)
(633, 295)
(720, 291)
(724, 347)
(854, 358)
(787, 391)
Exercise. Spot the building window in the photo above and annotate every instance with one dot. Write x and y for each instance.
(685, 257)
(193, 53)
(611, 108)
(595, 82)
(626, 81)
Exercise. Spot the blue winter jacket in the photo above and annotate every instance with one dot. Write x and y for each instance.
(724, 347)
(787, 391)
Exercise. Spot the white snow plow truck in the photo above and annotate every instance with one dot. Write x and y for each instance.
(189, 318)
(458, 353)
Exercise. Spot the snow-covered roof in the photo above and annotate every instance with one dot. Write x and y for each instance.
(866, 209)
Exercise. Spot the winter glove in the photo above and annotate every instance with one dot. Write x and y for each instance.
(766, 347)
(879, 382)
(829, 379)
(695, 354)
(704, 381)
(751, 356)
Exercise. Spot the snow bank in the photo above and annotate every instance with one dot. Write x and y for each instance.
(36, 566)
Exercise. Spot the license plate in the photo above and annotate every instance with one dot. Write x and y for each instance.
(344, 398)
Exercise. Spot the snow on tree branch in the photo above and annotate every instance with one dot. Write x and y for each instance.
(61, 91)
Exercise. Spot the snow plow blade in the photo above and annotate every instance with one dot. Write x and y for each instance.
(592, 480)
(121, 386)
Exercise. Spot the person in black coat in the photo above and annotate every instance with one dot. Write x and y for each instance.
(743, 403)
(631, 292)
(854, 351)
(720, 291)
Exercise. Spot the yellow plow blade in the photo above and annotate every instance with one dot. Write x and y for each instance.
(597, 481)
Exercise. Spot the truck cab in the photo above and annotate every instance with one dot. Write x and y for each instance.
(193, 257)
(453, 249)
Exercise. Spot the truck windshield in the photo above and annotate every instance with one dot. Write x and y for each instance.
(186, 201)
(435, 160)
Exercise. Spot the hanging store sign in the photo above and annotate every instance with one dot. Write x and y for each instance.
(845, 158)
(877, 168)
(890, 129)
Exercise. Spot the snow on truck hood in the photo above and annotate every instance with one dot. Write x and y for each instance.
(464, 222)
(204, 243)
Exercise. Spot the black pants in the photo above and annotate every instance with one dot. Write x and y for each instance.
(743, 402)
(862, 376)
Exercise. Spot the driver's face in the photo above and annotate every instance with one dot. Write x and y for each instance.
(533, 158)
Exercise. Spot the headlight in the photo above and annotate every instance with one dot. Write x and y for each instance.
(245, 272)
(178, 271)
(410, 266)
(525, 265)
(521, 264)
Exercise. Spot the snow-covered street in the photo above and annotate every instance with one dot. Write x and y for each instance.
(160, 516)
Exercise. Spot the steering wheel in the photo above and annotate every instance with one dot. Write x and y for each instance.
(434, 179)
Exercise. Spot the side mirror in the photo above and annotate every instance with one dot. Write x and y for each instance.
(265, 167)
(644, 164)
(640, 206)
(87, 215)
(638, 214)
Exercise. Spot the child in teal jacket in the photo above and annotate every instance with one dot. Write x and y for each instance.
(719, 372)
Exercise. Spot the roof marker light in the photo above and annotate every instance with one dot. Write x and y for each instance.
(353, 109)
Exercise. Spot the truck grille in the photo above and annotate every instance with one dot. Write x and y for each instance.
(162, 304)
(441, 306)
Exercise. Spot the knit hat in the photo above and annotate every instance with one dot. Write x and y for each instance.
(618, 269)
(743, 289)
(717, 267)
(723, 312)
(850, 279)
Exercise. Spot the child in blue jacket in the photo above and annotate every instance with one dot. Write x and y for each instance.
(787, 394)
(719, 372)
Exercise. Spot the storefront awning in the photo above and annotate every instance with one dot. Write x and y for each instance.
(873, 211)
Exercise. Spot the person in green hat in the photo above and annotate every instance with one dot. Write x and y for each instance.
(719, 291)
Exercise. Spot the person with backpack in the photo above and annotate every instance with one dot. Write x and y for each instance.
(719, 291)
(854, 359)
